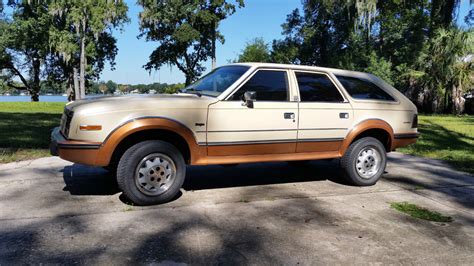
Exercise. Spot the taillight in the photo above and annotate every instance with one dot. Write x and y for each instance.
(414, 123)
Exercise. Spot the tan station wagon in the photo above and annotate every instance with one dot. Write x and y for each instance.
(239, 113)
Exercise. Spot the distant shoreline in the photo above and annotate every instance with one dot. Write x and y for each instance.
(42, 98)
(27, 98)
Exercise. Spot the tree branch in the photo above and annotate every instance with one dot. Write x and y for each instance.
(18, 73)
(10, 84)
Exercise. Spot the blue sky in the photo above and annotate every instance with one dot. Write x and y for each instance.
(259, 18)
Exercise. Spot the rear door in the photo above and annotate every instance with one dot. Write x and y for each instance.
(325, 116)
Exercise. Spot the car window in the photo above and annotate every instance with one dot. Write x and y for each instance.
(270, 85)
(315, 87)
(217, 81)
(363, 89)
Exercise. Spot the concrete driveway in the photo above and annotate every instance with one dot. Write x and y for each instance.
(52, 211)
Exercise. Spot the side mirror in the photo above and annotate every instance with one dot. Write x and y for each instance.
(249, 98)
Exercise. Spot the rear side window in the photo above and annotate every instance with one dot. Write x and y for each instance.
(316, 87)
(269, 85)
(363, 89)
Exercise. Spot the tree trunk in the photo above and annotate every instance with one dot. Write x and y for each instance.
(323, 44)
(83, 63)
(35, 86)
(77, 93)
(70, 92)
(213, 46)
(447, 101)
(457, 100)
(189, 79)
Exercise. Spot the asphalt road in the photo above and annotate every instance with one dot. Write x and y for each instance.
(52, 211)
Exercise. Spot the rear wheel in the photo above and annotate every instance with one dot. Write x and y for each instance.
(364, 162)
(151, 172)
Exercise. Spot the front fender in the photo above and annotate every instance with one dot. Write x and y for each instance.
(146, 123)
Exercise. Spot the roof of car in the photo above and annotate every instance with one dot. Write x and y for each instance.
(301, 67)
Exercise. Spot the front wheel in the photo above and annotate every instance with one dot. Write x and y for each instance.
(364, 162)
(151, 172)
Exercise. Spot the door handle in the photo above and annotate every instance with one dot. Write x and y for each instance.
(289, 115)
(344, 115)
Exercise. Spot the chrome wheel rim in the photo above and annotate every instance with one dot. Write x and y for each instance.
(155, 174)
(368, 162)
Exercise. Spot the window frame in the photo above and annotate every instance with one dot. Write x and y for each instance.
(380, 86)
(290, 92)
(294, 71)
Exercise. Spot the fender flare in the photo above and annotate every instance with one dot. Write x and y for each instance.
(130, 127)
(365, 125)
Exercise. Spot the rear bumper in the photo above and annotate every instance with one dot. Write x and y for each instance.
(403, 140)
(74, 151)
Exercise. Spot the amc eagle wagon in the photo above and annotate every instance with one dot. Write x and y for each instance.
(239, 113)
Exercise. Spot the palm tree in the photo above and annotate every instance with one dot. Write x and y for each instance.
(443, 71)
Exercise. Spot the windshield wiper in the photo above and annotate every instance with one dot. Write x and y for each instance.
(191, 90)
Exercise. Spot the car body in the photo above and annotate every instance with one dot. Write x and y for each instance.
(242, 113)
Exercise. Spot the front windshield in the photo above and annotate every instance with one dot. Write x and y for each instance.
(217, 81)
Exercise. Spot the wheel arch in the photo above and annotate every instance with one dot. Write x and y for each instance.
(148, 128)
(376, 128)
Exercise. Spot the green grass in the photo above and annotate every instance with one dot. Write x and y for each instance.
(420, 212)
(25, 129)
(32, 107)
(449, 138)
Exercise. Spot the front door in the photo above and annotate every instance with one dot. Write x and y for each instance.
(269, 127)
(325, 115)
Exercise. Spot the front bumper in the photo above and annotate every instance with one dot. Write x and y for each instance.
(74, 151)
(56, 137)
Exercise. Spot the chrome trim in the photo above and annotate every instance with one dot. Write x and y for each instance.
(251, 74)
(251, 142)
(271, 141)
(345, 100)
(249, 130)
(321, 140)
(266, 130)
(336, 128)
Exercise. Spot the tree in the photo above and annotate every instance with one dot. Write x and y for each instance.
(186, 32)
(442, 13)
(173, 88)
(219, 10)
(443, 73)
(24, 45)
(322, 34)
(82, 33)
(256, 50)
(284, 52)
(411, 44)
(111, 86)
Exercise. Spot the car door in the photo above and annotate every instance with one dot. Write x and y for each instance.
(267, 127)
(325, 116)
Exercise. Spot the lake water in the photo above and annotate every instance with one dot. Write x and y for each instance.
(42, 98)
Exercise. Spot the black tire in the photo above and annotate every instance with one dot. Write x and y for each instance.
(128, 167)
(351, 158)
